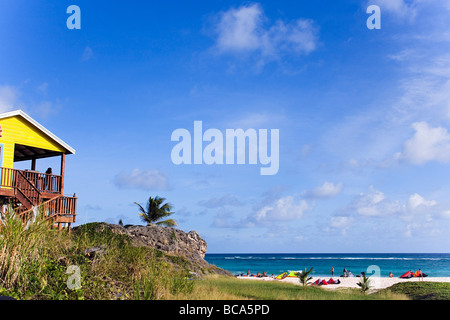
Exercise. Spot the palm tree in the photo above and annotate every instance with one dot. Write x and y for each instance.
(155, 210)
(304, 277)
(364, 284)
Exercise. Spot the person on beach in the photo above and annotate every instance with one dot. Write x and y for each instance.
(332, 271)
(391, 275)
(420, 275)
(344, 272)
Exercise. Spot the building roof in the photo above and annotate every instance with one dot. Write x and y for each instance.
(38, 126)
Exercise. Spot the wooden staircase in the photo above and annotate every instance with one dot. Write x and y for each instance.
(29, 190)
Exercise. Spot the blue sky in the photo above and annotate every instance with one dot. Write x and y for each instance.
(363, 115)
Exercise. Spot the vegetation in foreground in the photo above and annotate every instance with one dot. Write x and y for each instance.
(37, 262)
(423, 290)
(227, 288)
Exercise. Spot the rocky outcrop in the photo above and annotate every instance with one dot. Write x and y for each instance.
(169, 240)
(174, 242)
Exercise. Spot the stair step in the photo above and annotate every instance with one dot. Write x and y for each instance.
(23, 199)
(64, 219)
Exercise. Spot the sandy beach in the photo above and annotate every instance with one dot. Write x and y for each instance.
(351, 282)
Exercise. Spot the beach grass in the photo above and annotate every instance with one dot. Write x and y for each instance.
(422, 290)
(36, 263)
(228, 288)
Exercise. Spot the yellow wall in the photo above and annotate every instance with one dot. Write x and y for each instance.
(18, 130)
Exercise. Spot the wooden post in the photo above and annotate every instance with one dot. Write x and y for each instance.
(33, 164)
(63, 168)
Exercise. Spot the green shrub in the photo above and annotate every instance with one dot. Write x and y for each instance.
(364, 284)
(34, 260)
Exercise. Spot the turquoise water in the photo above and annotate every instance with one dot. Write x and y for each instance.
(432, 264)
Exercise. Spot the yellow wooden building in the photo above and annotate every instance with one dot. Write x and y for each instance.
(23, 139)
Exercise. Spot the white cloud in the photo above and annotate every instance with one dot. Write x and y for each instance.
(327, 190)
(225, 200)
(283, 209)
(299, 36)
(46, 108)
(223, 219)
(367, 203)
(422, 93)
(8, 98)
(445, 214)
(416, 201)
(427, 144)
(240, 29)
(399, 8)
(342, 223)
(255, 120)
(142, 179)
(243, 29)
(374, 203)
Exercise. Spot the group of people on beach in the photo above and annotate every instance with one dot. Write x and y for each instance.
(258, 274)
(348, 273)
(345, 273)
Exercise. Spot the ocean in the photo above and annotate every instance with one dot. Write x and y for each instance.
(432, 264)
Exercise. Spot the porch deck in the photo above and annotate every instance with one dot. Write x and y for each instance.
(26, 189)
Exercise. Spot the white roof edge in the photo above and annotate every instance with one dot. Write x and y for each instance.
(39, 126)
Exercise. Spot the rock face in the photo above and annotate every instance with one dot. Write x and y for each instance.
(171, 241)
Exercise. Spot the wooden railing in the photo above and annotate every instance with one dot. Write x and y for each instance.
(61, 208)
(42, 182)
(49, 183)
(7, 177)
(31, 189)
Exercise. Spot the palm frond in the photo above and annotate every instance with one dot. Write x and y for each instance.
(304, 277)
(141, 208)
(155, 210)
(167, 223)
(364, 284)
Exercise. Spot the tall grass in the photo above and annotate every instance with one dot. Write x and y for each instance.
(140, 273)
(34, 261)
(21, 245)
(220, 287)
